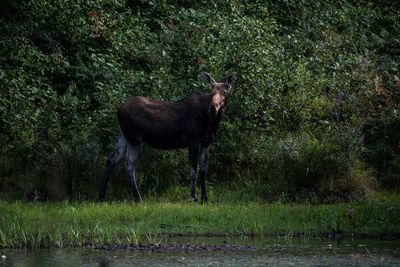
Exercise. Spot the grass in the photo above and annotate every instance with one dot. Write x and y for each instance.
(25, 224)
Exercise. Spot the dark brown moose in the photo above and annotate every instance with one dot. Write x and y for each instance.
(190, 122)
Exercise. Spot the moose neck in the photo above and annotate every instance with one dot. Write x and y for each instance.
(215, 117)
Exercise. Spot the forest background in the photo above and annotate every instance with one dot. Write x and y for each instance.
(314, 116)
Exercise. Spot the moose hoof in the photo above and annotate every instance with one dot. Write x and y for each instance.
(204, 201)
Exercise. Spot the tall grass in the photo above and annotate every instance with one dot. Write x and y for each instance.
(76, 224)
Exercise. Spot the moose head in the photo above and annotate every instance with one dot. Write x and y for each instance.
(220, 90)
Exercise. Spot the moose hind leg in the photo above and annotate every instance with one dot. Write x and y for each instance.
(132, 159)
(112, 160)
(203, 173)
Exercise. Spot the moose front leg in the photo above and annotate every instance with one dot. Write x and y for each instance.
(193, 157)
(203, 173)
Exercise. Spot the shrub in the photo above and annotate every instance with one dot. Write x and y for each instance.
(315, 98)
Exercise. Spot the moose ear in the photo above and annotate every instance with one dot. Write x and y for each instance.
(206, 77)
(230, 80)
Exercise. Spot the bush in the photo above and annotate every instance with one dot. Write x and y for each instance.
(315, 99)
(306, 163)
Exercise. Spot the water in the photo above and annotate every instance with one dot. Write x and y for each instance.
(269, 252)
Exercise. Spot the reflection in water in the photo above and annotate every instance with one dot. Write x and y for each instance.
(270, 252)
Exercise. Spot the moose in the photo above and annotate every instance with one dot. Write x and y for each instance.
(190, 123)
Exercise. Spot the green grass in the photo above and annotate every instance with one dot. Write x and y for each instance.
(75, 224)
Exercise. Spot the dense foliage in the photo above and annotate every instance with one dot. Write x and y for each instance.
(316, 107)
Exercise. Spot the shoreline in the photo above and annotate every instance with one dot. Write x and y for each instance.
(187, 246)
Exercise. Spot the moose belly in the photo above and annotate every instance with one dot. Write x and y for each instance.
(165, 140)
